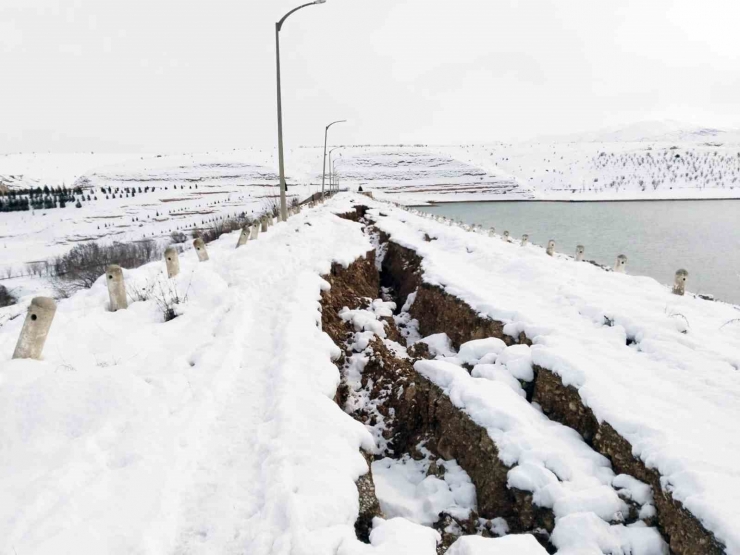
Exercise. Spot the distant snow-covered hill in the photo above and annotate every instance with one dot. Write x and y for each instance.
(650, 131)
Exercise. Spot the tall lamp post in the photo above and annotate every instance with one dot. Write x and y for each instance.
(331, 179)
(334, 170)
(278, 27)
(326, 137)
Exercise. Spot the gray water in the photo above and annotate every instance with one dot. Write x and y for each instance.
(658, 237)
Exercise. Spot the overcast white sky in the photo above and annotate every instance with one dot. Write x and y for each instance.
(187, 75)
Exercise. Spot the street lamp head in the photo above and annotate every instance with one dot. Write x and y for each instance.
(320, 2)
(335, 122)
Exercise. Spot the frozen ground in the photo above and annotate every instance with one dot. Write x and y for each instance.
(215, 432)
(552, 462)
(663, 370)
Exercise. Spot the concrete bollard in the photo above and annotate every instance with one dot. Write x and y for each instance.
(116, 288)
(243, 237)
(505, 236)
(264, 224)
(172, 259)
(550, 248)
(35, 328)
(492, 232)
(620, 265)
(580, 251)
(525, 240)
(200, 248)
(679, 285)
(255, 231)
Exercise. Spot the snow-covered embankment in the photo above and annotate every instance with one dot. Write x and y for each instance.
(658, 370)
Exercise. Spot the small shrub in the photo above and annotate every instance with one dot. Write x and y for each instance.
(6, 299)
(168, 297)
(225, 226)
(178, 237)
(85, 263)
(272, 206)
(140, 293)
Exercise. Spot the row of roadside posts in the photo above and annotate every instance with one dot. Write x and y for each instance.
(42, 309)
(620, 266)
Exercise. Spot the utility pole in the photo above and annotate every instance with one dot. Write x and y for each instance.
(278, 28)
(326, 138)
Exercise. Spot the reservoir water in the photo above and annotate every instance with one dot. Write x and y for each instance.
(658, 237)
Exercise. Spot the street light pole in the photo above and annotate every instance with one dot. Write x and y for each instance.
(334, 170)
(331, 175)
(326, 137)
(278, 27)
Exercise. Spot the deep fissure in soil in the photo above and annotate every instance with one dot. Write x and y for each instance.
(440, 312)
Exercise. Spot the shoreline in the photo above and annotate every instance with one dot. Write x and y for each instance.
(563, 201)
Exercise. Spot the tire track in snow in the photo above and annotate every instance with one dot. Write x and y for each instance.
(231, 508)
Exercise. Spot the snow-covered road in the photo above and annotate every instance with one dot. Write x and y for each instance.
(213, 433)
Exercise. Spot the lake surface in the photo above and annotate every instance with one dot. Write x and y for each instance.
(658, 237)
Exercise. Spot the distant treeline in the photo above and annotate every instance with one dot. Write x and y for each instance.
(16, 200)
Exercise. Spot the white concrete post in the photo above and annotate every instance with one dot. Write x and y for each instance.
(200, 248)
(580, 251)
(525, 240)
(116, 288)
(35, 328)
(505, 236)
(550, 247)
(492, 232)
(621, 264)
(264, 224)
(679, 285)
(243, 237)
(172, 259)
(255, 231)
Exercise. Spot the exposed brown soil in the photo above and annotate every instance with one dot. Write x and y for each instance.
(438, 312)
(369, 506)
(348, 287)
(401, 270)
(435, 309)
(356, 215)
(416, 410)
(683, 531)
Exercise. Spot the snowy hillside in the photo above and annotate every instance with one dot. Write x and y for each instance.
(126, 197)
(650, 132)
(605, 171)
(52, 169)
(141, 198)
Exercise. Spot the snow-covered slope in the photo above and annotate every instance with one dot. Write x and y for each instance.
(194, 189)
(652, 132)
(620, 170)
(661, 369)
(140, 198)
(217, 432)
(38, 169)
